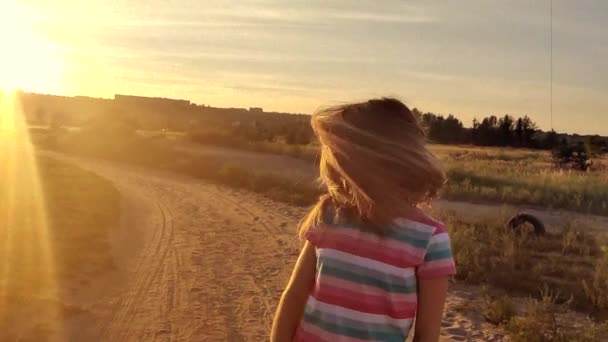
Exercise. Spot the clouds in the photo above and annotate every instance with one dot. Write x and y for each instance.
(469, 57)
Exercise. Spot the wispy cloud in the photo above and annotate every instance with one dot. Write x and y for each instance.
(466, 57)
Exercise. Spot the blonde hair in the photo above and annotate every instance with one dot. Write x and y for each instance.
(374, 163)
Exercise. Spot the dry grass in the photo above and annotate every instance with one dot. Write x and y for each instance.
(511, 176)
(226, 139)
(541, 323)
(563, 262)
(596, 288)
(521, 177)
(498, 309)
(480, 174)
(150, 151)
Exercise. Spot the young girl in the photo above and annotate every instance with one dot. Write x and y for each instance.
(372, 261)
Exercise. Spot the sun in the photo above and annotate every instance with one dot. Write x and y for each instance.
(28, 61)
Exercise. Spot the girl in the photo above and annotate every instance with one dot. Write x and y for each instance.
(372, 261)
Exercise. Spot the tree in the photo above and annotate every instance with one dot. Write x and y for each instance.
(594, 145)
(475, 132)
(550, 140)
(529, 128)
(519, 131)
(505, 127)
(487, 131)
(443, 130)
(452, 129)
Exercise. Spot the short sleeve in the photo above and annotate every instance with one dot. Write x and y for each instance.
(313, 235)
(438, 260)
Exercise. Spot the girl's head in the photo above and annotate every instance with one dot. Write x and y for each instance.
(374, 161)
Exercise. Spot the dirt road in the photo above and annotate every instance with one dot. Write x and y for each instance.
(199, 262)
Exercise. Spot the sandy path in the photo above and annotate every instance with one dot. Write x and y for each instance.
(199, 262)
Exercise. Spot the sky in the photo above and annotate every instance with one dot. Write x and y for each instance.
(467, 58)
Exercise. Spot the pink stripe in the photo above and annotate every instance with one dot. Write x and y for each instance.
(311, 333)
(391, 243)
(366, 289)
(366, 303)
(375, 251)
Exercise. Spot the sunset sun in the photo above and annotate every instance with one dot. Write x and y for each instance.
(27, 61)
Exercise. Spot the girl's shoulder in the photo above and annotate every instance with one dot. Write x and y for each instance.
(418, 219)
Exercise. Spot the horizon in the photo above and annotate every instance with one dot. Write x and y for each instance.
(470, 59)
(248, 107)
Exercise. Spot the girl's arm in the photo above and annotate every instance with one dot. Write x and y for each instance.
(291, 307)
(431, 299)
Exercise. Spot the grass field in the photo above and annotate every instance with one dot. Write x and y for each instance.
(560, 274)
(499, 175)
(81, 209)
(572, 263)
(504, 176)
(522, 177)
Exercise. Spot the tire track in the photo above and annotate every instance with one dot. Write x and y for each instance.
(211, 263)
(149, 268)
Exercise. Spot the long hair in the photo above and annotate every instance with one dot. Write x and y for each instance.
(374, 163)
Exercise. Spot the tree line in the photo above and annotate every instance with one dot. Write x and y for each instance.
(503, 131)
(208, 123)
(488, 131)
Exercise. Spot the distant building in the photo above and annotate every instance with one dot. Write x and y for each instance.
(256, 110)
(130, 100)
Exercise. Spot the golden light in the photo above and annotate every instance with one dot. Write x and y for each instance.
(27, 268)
(27, 60)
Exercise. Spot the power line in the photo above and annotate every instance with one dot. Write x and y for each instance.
(551, 62)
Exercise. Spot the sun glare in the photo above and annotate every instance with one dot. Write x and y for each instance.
(27, 267)
(27, 60)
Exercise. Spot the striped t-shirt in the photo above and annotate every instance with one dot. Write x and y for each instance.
(365, 288)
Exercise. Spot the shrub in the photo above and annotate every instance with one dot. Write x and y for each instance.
(540, 324)
(596, 288)
(576, 157)
(498, 310)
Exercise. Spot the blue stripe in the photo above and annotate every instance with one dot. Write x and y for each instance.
(338, 329)
(366, 280)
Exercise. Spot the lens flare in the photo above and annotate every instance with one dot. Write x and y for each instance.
(28, 60)
(27, 272)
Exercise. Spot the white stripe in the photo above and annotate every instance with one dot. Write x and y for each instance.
(439, 238)
(314, 304)
(367, 263)
(406, 223)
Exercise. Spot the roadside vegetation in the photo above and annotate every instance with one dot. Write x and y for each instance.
(564, 179)
(549, 288)
(476, 174)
